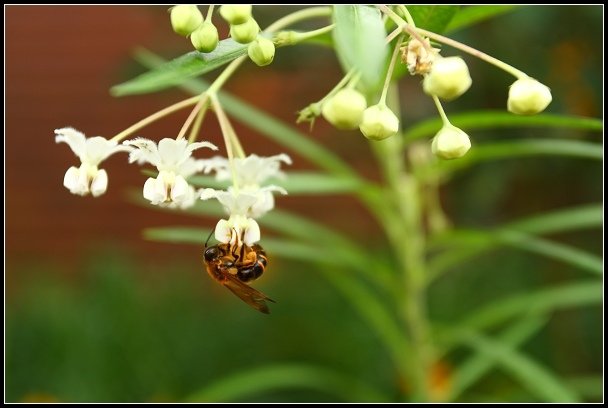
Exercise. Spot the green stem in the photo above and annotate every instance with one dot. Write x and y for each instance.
(407, 15)
(284, 38)
(311, 12)
(209, 12)
(444, 117)
(226, 129)
(192, 115)
(197, 125)
(408, 243)
(289, 19)
(156, 116)
(410, 29)
(389, 73)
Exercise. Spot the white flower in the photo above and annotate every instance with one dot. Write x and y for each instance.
(240, 228)
(248, 199)
(173, 160)
(87, 178)
(250, 173)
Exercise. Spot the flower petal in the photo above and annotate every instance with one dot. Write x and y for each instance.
(155, 191)
(252, 232)
(75, 139)
(99, 148)
(223, 231)
(71, 178)
(199, 145)
(172, 153)
(99, 184)
(146, 152)
(179, 189)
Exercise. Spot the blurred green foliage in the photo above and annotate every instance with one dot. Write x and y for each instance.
(121, 333)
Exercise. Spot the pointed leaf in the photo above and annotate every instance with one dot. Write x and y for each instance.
(180, 69)
(469, 15)
(359, 37)
(433, 18)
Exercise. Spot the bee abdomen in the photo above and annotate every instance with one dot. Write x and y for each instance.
(251, 272)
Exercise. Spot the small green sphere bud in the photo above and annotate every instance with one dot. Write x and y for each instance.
(246, 32)
(185, 19)
(345, 109)
(527, 96)
(379, 122)
(205, 38)
(450, 143)
(449, 78)
(236, 13)
(261, 51)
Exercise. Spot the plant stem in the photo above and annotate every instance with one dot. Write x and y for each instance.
(227, 132)
(389, 73)
(155, 116)
(444, 117)
(209, 12)
(408, 244)
(321, 11)
(294, 37)
(453, 43)
(197, 125)
(197, 108)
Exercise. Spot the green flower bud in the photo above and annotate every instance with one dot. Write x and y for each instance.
(205, 38)
(236, 13)
(185, 19)
(449, 78)
(261, 51)
(246, 32)
(450, 143)
(527, 96)
(345, 109)
(379, 122)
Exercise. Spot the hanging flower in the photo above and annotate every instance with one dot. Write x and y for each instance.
(173, 160)
(248, 199)
(87, 178)
(250, 173)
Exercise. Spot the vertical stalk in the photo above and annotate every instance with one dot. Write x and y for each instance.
(408, 243)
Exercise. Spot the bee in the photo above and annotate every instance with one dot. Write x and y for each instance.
(235, 267)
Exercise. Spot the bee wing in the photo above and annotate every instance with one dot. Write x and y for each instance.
(247, 294)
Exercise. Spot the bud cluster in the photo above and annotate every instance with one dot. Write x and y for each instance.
(187, 20)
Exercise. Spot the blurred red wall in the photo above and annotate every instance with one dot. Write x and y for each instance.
(60, 63)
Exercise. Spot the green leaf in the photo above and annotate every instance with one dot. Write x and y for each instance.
(568, 254)
(360, 40)
(267, 125)
(261, 380)
(513, 149)
(590, 386)
(365, 301)
(296, 183)
(542, 301)
(469, 15)
(490, 119)
(180, 69)
(475, 367)
(485, 240)
(433, 18)
(588, 216)
(536, 378)
(468, 244)
(282, 248)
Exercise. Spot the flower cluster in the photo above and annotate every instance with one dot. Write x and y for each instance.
(444, 78)
(248, 198)
(187, 20)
